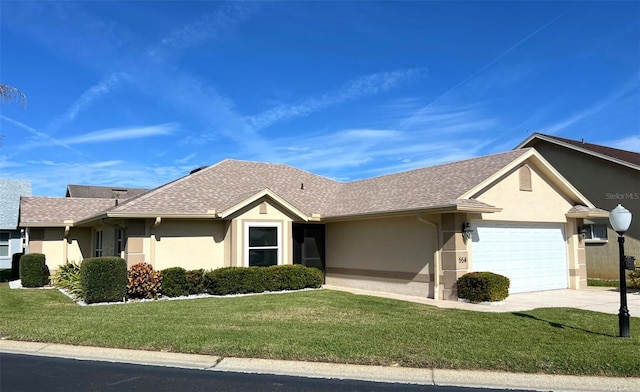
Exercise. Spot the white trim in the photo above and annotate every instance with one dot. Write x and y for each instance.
(248, 225)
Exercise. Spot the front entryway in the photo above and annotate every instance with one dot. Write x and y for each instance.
(308, 245)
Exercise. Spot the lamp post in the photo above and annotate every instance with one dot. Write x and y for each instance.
(620, 219)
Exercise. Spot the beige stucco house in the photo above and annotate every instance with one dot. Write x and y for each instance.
(606, 176)
(412, 233)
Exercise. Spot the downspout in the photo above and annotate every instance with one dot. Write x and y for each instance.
(65, 246)
(436, 257)
(152, 237)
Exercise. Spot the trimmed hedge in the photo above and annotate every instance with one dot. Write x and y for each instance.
(483, 287)
(195, 281)
(103, 279)
(33, 270)
(634, 276)
(174, 282)
(242, 280)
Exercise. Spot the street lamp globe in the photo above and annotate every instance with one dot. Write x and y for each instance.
(620, 219)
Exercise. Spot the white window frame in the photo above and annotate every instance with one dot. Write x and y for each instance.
(590, 232)
(98, 244)
(8, 243)
(119, 241)
(248, 225)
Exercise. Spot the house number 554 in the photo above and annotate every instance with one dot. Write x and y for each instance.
(462, 260)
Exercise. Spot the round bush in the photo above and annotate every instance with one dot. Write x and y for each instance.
(174, 282)
(103, 279)
(144, 282)
(483, 287)
(33, 270)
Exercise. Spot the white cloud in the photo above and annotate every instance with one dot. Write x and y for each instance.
(631, 143)
(112, 134)
(104, 87)
(577, 117)
(356, 88)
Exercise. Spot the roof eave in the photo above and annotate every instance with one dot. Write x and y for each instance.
(576, 148)
(440, 209)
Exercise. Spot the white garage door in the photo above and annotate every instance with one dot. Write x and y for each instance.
(533, 257)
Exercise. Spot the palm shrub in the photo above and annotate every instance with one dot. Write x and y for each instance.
(103, 279)
(143, 281)
(174, 282)
(33, 270)
(68, 277)
(483, 287)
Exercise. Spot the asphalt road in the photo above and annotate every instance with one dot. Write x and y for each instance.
(35, 373)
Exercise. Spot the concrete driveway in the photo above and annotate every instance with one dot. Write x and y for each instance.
(598, 299)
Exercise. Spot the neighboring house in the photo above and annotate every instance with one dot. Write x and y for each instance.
(102, 192)
(402, 233)
(607, 177)
(10, 236)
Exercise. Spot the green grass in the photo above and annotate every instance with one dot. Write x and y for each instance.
(333, 326)
(603, 283)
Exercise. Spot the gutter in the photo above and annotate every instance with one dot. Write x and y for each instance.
(436, 258)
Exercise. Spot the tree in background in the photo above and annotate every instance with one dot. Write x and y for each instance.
(10, 93)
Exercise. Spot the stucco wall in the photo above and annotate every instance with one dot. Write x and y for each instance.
(543, 203)
(189, 244)
(389, 254)
(265, 211)
(605, 184)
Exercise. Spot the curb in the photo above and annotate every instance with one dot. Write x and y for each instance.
(436, 377)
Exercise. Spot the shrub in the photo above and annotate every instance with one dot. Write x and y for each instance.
(68, 277)
(241, 280)
(33, 270)
(634, 276)
(195, 281)
(144, 282)
(228, 280)
(103, 279)
(483, 286)
(174, 282)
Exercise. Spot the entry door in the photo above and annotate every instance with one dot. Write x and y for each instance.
(308, 245)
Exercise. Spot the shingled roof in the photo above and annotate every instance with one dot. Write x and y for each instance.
(617, 155)
(102, 192)
(59, 211)
(218, 190)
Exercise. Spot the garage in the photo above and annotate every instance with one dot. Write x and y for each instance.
(532, 256)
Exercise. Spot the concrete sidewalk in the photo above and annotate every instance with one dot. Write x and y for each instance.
(439, 377)
(597, 299)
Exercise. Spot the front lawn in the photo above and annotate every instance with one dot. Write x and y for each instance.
(332, 326)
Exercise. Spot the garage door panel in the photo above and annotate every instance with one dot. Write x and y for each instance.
(533, 257)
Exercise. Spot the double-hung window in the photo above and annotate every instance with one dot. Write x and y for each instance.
(5, 240)
(98, 244)
(263, 244)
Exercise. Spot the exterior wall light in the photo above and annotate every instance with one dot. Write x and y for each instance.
(467, 231)
(620, 219)
(583, 232)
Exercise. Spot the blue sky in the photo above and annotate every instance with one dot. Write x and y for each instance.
(140, 93)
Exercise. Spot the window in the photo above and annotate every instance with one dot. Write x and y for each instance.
(119, 241)
(595, 233)
(4, 243)
(262, 244)
(98, 244)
